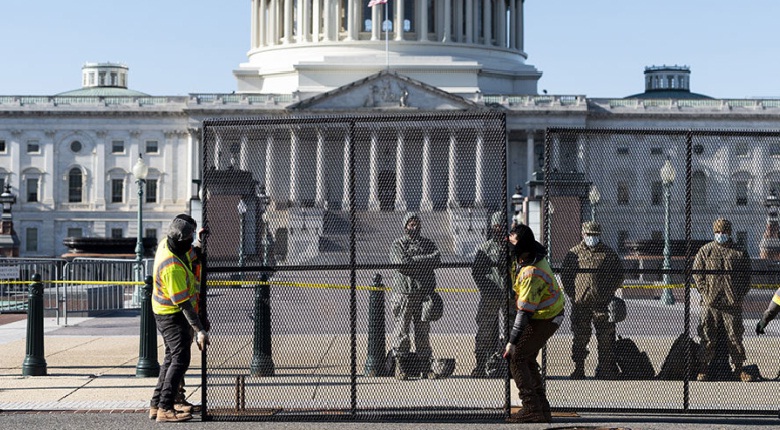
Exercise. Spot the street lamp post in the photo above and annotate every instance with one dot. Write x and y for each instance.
(262, 362)
(594, 196)
(667, 177)
(147, 366)
(140, 170)
(517, 204)
(241, 230)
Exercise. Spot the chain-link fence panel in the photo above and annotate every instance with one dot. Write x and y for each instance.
(340, 265)
(661, 201)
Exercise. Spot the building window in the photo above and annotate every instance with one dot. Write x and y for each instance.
(623, 150)
(656, 193)
(117, 190)
(2, 147)
(118, 147)
(741, 239)
(698, 188)
(75, 185)
(33, 147)
(31, 239)
(656, 151)
(622, 193)
(152, 147)
(116, 233)
(151, 191)
(32, 190)
(742, 149)
(75, 232)
(741, 188)
(151, 232)
(75, 146)
(623, 237)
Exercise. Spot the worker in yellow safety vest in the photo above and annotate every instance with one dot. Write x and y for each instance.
(540, 305)
(174, 302)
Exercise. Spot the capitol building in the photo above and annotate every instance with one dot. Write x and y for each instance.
(68, 157)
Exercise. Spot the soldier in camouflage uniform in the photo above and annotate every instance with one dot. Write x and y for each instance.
(590, 293)
(489, 273)
(413, 282)
(722, 295)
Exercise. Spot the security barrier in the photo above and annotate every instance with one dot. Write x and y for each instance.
(315, 204)
(304, 213)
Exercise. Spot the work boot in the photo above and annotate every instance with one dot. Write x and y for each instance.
(153, 412)
(529, 416)
(171, 416)
(187, 407)
(546, 411)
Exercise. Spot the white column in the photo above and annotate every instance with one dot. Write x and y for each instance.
(300, 32)
(319, 198)
(487, 19)
(529, 156)
(294, 173)
(351, 23)
(254, 32)
(243, 147)
(316, 21)
(329, 19)
(373, 174)
(400, 194)
(399, 20)
(519, 26)
(501, 24)
(288, 21)
(306, 20)
(446, 37)
(270, 184)
(346, 203)
(376, 22)
(512, 24)
(426, 204)
(262, 22)
(422, 22)
(469, 21)
(479, 197)
(458, 12)
(452, 170)
(273, 20)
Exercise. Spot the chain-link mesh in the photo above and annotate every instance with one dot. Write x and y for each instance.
(656, 195)
(312, 277)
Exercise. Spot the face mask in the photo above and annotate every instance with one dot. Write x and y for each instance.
(591, 241)
(721, 238)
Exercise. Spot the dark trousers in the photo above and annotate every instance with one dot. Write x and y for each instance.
(525, 370)
(581, 318)
(177, 337)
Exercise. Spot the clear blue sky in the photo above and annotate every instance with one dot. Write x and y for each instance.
(598, 48)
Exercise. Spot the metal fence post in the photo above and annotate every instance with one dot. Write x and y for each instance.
(35, 362)
(375, 360)
(262, 361)
(147, 366)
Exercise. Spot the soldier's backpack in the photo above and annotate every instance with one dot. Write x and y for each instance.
(633, 363)
(673, 368)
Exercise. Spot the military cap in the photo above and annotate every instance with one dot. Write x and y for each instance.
(591, 227)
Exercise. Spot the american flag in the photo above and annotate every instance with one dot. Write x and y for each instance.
(373, 3)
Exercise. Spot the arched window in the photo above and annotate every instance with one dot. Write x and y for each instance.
(75, 185)
(698, 188)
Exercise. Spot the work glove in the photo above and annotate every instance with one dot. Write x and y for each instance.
(202, 339)
(760, 326)
(509, 350)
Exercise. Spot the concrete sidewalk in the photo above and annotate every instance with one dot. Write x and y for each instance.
(86, 370)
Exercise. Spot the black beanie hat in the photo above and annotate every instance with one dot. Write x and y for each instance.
(525, 239)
